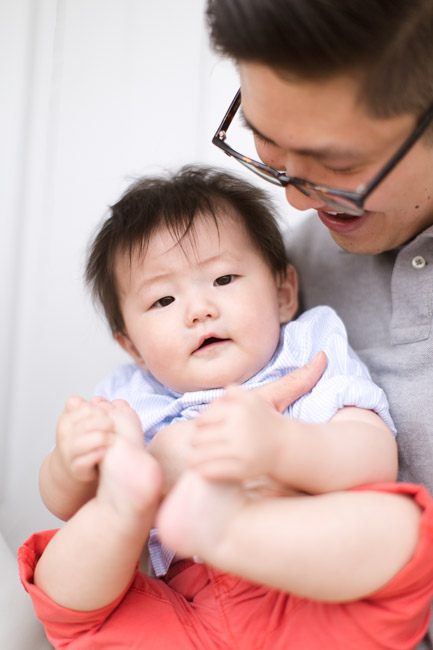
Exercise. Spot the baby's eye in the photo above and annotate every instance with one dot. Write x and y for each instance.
(163, 302)
(224, 279)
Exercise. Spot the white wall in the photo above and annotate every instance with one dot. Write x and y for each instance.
(94, 93)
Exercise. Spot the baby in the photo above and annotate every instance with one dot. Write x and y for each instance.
(192, 274)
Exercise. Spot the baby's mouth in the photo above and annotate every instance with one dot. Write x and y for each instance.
(210, 340)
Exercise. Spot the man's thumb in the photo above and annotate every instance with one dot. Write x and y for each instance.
(283, 392)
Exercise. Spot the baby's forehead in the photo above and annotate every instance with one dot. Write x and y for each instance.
(206, 235)
(187, 234)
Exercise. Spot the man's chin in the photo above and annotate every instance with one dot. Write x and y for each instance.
(352, 233)
(359, 245)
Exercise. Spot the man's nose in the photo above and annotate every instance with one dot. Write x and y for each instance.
(301, 201)
(298, 167)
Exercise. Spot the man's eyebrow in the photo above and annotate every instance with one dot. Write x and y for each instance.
(315, 152)
(247, 124)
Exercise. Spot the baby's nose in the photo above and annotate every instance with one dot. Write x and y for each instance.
(201, 311)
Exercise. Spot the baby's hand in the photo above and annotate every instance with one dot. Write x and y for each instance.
(84, 432)
(237, 437)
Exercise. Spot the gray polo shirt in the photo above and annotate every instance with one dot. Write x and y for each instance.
(386, 303)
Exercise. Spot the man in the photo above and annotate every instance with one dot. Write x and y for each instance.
(339, 97)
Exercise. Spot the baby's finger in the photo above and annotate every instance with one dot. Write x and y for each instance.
(90, 417)
(210, 433)
(73, 402)
(121, 402)
(98, 399)
(85, 467)
(220, 469)
(86, 444)
(217, 411)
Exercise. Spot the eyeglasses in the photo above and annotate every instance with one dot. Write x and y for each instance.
(350, 202)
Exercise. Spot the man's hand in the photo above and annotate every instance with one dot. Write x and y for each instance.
(283, 392)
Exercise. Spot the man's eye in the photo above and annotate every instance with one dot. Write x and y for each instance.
(224, 279)
(163, 302)
(347, 171)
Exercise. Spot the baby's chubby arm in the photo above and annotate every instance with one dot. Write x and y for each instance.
(69, 474)
(241, 437)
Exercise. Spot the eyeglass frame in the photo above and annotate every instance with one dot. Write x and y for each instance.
(282, 179)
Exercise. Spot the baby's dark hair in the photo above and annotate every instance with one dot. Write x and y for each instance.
(173, 202)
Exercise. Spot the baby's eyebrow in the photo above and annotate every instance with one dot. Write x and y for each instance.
(167, 275)
(151, 280)
(320, 153)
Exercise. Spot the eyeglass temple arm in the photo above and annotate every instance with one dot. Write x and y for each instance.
(228, 117)
(423, 123)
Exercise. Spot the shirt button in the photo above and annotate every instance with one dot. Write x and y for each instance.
(418, 262)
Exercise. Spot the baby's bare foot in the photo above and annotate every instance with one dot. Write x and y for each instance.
(130, 478)
(194, 518)
(126, 421)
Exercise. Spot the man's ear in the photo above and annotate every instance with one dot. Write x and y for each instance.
(288, 295)
(130, 348)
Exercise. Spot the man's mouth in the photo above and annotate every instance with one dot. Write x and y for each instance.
(334, 214)
(340, 221)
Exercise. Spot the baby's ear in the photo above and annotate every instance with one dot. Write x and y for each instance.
(288, 295)
(130, 348)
